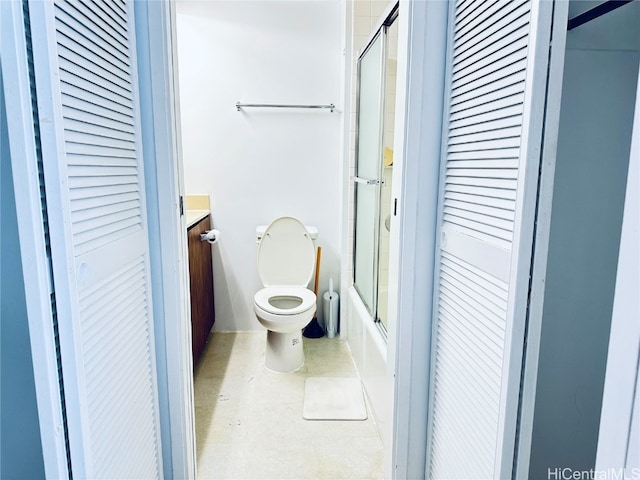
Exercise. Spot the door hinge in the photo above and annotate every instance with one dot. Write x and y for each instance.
(181, 205)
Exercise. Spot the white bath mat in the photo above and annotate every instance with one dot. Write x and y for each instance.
(333, 398)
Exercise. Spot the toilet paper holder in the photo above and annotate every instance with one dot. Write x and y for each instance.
(210, 236)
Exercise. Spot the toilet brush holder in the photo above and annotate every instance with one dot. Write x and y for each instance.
(330, 301)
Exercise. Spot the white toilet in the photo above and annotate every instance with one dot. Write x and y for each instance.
(286, 258)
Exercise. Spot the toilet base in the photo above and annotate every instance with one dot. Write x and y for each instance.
(284, 352)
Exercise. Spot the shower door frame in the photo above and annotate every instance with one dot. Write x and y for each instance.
(381, 33)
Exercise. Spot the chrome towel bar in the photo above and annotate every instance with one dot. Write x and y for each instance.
(239, 106)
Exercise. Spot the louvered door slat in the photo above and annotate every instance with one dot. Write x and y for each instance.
(480, 408)
(463, 119)
(476, 199)
(96, 301)
(482, 231)
(477, 213)
(116, 10)
(87, 139)
(482, 394)
(464, 340)
(498, 18)
(455, 400)
(475, 435)
(477, 441)
(509, 132)
(89, 106)
(475, 92)
(481, 172)
(102, 351)
(469, 299)
(464, 17)
(113, 18)
(490, 164)
(500, 188)
(492, 49)
(87, 54)
(488, 71)
(101, 236)
(90, 146)
(481, 192)
(493, 144)
(487, 134)
(480, 208)
(136, 379)
(110, 25)
(465, 8)
(461, 465)
(91, 53)
(94, 202)
(103, 210)
(462, 300)
(99, 194)
(93, 95)
(100, 74)
(74, 24)
(83, 160)
(498, 110)
(479, 277)
(488, 126)
(93, 120)
(100, 181)
(89, 228)
(455, 422)
(102, 171)
(503, 153)
(453, 302)
(99, 132)
(471, 95)
(492, 340)
(480, 189)
(91, 82)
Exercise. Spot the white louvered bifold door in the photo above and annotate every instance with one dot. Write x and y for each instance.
(497, 61)
(86, 88)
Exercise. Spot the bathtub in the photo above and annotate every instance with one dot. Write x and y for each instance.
(369, 350)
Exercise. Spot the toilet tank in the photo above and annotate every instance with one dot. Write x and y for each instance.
(313, 232)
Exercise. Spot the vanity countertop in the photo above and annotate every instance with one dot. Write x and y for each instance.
(194, 216)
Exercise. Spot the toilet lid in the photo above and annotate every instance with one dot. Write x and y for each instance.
(286, 254)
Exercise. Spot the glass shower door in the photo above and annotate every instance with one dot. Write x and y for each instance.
(386, 176)
(367, 179)
(377, 68)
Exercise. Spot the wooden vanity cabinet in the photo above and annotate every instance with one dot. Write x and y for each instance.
(201, 283)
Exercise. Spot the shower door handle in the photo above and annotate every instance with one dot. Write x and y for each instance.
(367, 181)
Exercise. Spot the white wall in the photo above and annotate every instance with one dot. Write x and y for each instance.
(600, 75)
(259, 164)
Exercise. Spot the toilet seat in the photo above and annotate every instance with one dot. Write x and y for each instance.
(307, 299)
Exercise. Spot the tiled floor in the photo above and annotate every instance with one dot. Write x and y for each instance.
(249, 421)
